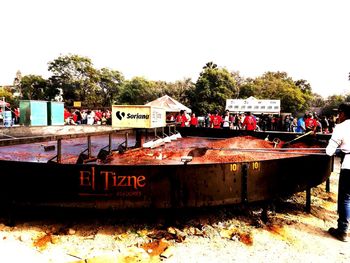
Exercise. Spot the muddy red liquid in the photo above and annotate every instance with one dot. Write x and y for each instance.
(219, 151)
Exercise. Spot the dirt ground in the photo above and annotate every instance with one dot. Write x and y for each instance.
(283, 233)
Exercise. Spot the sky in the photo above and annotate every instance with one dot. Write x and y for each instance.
(172, 40)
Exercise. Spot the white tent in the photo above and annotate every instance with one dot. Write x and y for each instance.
(169, 104)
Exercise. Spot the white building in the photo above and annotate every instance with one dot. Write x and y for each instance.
(254, 105)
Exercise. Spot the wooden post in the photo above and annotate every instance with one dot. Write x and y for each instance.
(110, 142)
(126, 140)
(59, 150)
(89, 146)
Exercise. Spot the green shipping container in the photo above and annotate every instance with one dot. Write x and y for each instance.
(33, 112)
(55, 113)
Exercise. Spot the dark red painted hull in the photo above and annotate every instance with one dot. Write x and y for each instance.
(160, 186)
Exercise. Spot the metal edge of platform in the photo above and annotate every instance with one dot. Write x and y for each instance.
(69, 134)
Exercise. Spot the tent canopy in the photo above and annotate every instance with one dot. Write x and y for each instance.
(169, 104)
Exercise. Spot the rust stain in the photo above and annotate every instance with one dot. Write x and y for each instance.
(42, 242)
(155, 248)
(246, 239)
(280, 232)
(277, 230)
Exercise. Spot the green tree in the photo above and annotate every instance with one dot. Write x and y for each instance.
(6, 94)
(137, 91)
(212, 88)
(160, 88)
(77, 78)
(180, 90)
(35, 87)
(110, 83)
(331, 104)
(277, 85)
(304, 86)
(246, 88)
(317, 101)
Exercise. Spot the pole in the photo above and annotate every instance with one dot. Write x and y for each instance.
(3, 111)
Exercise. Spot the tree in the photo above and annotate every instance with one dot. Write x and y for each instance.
(137, 91)
(77, 78)
(212, 88)
(241, 83)
(277, 85)
(331, 104)
(34, 87)
(110, 83)
(7, 95)
(304, 86)
(317, 101)
(180, 90)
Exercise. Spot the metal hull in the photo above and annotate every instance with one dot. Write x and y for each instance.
(159, 186)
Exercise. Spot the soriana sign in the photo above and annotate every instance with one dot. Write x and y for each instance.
(138, 116)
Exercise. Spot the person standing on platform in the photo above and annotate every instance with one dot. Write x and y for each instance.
(301, 124)
(181, 119)
(215, 120)
(194, 120)
(341, 139)
(188, 118)
(226, 120)
(207, 120)
(249, 122)
(310, 123)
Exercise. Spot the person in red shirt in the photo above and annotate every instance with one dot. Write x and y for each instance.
(181, 119)
(310, 123)
(67, 116)
(249, 122)
(194, 120)
(215, 120)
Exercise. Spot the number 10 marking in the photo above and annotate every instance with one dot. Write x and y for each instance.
(255, 165)
(233, 167)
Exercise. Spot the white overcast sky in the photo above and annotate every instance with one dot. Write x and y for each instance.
(173, 39)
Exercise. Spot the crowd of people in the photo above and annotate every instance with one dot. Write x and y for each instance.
(90, 117)
(215, 120)
(227, 120)
(248, 121)
(310, 122)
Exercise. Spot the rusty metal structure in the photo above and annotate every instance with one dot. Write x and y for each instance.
(183, 185)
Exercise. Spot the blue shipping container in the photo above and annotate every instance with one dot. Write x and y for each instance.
(55, 113)
(33, 112)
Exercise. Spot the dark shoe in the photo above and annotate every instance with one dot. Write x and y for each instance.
(338, 234)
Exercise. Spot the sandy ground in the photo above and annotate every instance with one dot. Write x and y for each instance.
(285, 233)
